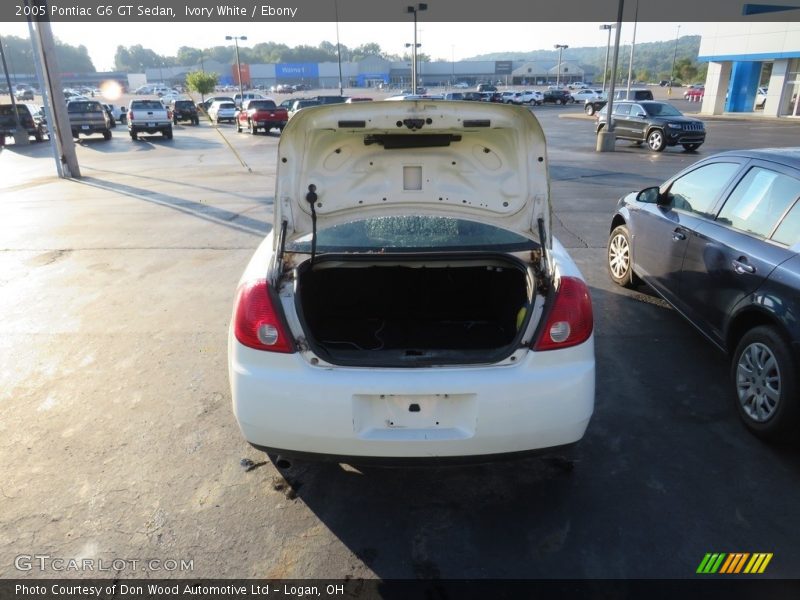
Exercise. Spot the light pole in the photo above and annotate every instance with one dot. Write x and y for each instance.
(413, 66)
(238, 64)
(608, 47)
(674, 56)
(414, 10)
(453, 64)
(560, 48)
(633, 45)
(338, 47)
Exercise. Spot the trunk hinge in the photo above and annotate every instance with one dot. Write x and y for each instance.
(277, 267)
(544, 268)
(311, 198)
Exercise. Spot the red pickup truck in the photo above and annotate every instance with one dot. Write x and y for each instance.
(261, 114)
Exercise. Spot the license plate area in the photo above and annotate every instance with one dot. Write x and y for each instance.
(84, 127)
(414, 417)
(151, 124)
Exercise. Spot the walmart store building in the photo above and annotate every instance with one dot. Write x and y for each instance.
(745, 56)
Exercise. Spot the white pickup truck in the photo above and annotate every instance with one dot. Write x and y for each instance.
(149, 116)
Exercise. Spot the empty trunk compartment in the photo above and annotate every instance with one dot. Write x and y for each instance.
(391, 313)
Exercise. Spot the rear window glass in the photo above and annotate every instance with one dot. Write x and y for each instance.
(84, 107)
(184, 104)
(412, 233)
(226, 105)
(261, 104)
(146, 105)
(7, 111)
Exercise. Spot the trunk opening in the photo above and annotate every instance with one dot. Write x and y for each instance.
(391, 312)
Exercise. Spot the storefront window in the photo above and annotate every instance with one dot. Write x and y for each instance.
(790, 103)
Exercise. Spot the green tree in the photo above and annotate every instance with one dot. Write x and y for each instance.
(202, 83)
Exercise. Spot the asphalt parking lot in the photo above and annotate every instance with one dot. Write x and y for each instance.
(117, 439)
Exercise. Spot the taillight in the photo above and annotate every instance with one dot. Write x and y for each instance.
(570, 322)
(130, 115)
(256, 322)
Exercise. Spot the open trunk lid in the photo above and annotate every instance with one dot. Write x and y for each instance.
(475, 161)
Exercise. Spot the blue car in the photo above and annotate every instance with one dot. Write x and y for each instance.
(720, 241)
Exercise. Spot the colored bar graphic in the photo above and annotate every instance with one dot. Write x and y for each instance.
(734, 563)
(731, 564)
(711, 563)
(758, 563)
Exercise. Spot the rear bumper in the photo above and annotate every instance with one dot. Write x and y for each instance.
(88, 129)
(284, 404)
(144, 127)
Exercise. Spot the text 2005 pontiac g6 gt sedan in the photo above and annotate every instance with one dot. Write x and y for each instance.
(410, 302)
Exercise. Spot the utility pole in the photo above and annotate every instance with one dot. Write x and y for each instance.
(633, 45)
(674, 56)
(60, 127)
(46, 101)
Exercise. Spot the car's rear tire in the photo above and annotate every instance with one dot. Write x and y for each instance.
(168, 133)
(589, 109)
(134, 137)
(619, 257)
(238, 127)
(107, 134)
(690, 147)
(764, 378)
(656, 140)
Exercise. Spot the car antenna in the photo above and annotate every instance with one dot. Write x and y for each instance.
(311, 198)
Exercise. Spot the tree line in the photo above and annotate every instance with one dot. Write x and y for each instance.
(19, 56)
(652, 60)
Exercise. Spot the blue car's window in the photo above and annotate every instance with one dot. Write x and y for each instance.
(697, 191)
(788, 232)
(412, 233)
(759, 201)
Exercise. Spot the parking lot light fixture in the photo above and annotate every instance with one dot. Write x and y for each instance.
(674, 56)
(560, 48)
(414, 9)
(238, 63)
(608, 47)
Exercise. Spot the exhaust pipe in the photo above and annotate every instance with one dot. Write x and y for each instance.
(283, 463)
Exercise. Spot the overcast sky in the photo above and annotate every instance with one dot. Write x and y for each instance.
(440, 40)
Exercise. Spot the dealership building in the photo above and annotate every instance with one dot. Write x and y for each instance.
(741, 58)
(375, 71)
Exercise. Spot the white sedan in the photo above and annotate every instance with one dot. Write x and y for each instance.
(586, 94)
(410, 302)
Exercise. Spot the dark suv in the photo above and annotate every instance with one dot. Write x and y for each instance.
(720, 241)
(184, 110)
(27, 118)
(557, 97)
(658, 123)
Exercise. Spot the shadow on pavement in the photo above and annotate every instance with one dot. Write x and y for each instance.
(214, 214)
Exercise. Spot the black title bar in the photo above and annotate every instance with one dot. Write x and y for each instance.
(243, 11)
